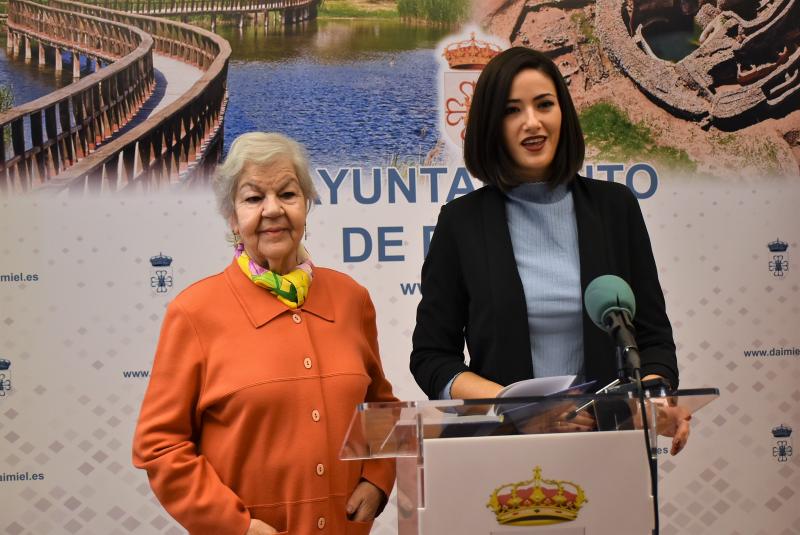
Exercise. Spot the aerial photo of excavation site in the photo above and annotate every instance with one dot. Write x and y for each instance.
(702, 87)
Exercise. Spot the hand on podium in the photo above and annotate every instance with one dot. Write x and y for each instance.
(673, 421)
(559, 417)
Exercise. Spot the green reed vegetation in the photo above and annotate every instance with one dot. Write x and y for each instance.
(6, 103)
(608, 128)
(435, 11)
(343, 9)
(6, 97)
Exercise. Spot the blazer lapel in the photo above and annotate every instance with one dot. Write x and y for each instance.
(592, 237)
(594, 259)
(513, 350)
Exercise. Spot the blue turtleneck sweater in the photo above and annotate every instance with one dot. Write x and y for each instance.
(544, 236)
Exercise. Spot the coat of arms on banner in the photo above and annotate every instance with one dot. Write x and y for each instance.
(782, 449)
(161, 273)
(5, 377)
(461, 61)
(779, 263)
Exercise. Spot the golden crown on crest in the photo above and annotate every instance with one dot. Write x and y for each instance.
(470, 54)
(537, 501)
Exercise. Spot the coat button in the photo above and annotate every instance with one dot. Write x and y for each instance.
(320, 469)
(315, 415)
(321, 522)
(296, 318)
(307, 363)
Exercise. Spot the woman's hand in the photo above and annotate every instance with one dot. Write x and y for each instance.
(559, 417)
(469, 385)
(673, 421)
(364, 502)
(257, 527)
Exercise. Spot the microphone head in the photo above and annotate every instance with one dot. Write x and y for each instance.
(605, 294)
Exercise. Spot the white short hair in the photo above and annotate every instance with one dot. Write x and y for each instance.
(259, 148)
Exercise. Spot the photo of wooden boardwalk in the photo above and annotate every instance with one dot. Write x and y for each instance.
(151, 113)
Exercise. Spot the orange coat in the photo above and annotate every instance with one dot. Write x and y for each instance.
(249, 402)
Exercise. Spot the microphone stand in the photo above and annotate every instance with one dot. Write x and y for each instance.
(651, 457)
(621, 328)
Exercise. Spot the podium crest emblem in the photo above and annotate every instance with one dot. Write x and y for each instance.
(537, 501)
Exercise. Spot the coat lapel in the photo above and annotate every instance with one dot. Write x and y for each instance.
(594, 258)
(261, 306)
(592, 249)
(513, 350)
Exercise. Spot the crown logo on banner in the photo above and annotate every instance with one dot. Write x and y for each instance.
(161, 260)
(537, 501)
(782, 431)
(777, 246)
(470, 54)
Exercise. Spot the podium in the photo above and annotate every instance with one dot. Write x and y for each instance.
(520, 465)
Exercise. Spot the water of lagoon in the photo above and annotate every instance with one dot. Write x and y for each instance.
(355, 92)
(27, 79)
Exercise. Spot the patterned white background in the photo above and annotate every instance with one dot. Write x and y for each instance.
(92, 315)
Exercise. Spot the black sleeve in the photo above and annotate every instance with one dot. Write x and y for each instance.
(438, 341)
(653, 329)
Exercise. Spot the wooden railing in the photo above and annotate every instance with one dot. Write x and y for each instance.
(181, 142)
(186, 7)
(189, 44)
(66, 125)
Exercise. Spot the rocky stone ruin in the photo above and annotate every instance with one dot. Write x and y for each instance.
(745, 69)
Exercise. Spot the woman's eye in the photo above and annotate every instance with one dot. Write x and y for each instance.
(547, 104)
(252, 199)
(288, 194)
(511, 109)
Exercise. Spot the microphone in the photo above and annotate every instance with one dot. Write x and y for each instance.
(610, 304)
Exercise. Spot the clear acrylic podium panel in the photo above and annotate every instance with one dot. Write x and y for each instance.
(443, 485)
(481, 483)
(397, 429)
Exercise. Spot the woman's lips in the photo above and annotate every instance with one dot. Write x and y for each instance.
(534, 144)
(273, 231)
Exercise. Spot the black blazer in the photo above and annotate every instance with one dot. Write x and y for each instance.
(471, 289)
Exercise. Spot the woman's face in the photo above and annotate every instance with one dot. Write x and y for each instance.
(532, 124)
(270, 213)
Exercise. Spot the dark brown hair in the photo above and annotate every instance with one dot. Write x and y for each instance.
(485, 153)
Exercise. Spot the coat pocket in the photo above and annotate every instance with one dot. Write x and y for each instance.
(274, 515)
(357, 528)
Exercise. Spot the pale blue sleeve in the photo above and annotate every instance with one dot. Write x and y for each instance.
(445, 393)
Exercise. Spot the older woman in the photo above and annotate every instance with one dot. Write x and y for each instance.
(258, 371)
(509, 262)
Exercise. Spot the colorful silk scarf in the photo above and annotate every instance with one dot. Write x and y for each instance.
(290, 289)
